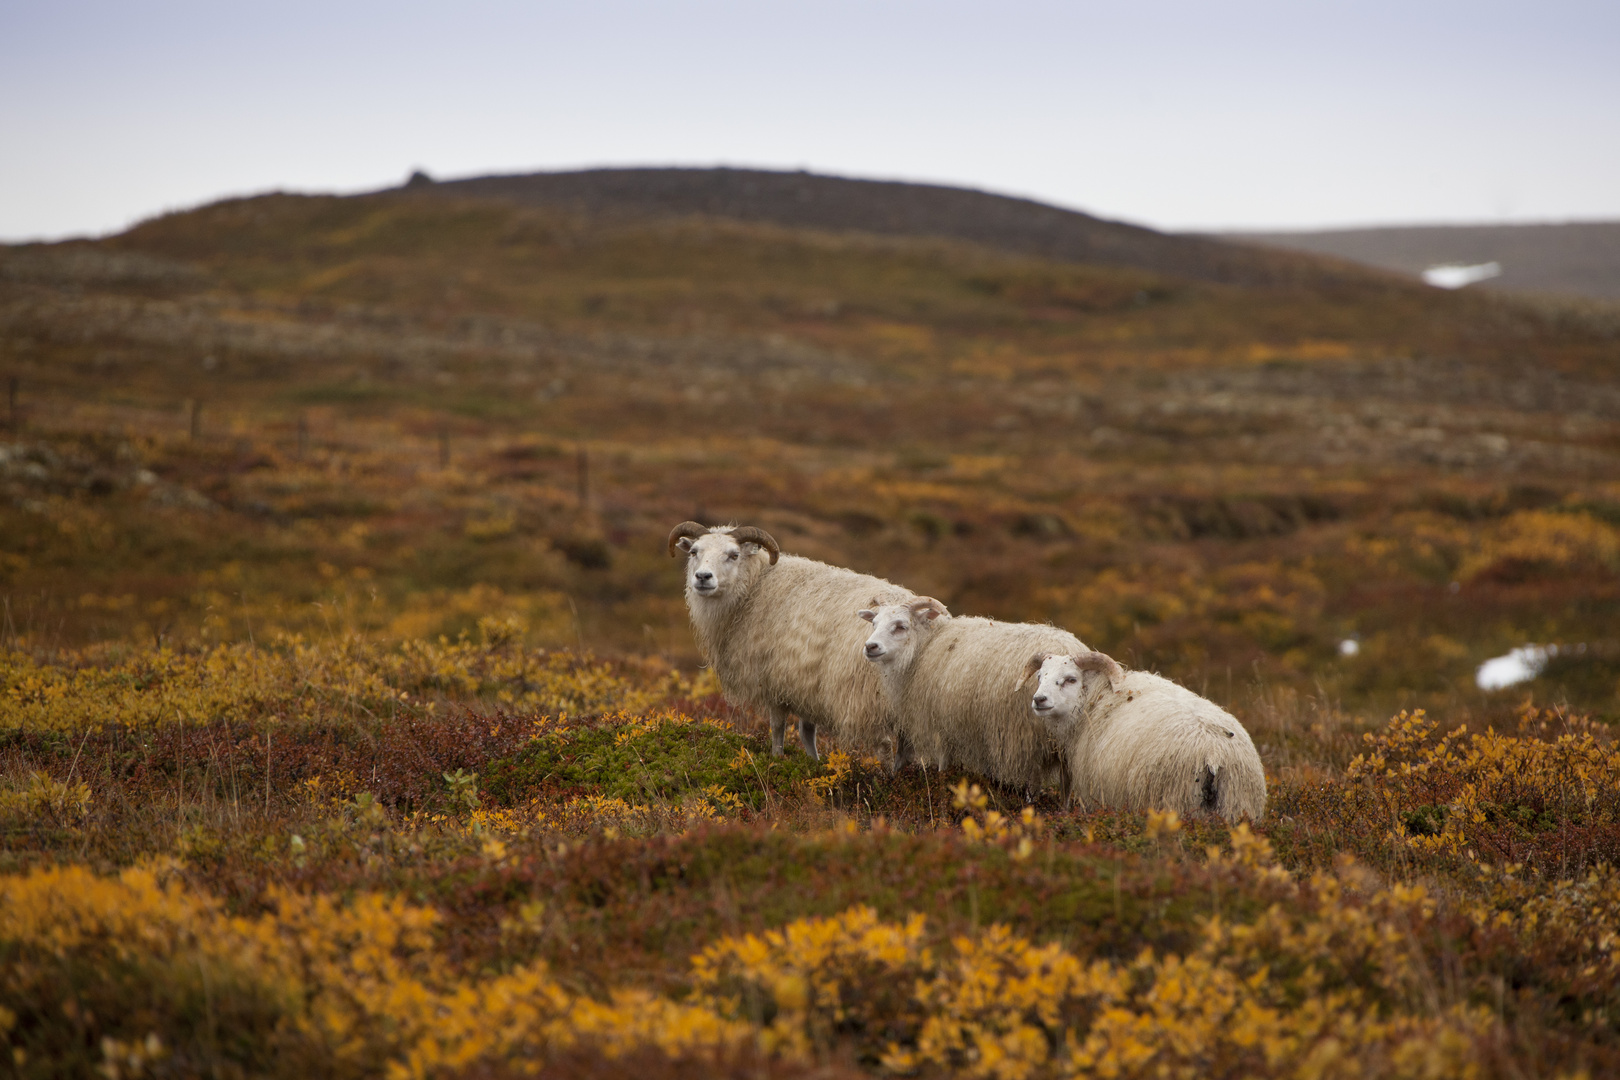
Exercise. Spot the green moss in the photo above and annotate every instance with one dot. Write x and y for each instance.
(662, 761)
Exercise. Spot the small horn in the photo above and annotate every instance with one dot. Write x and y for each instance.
(1096, 661)
(929, 604)
(748, 534)
(1033, 666)
(683, 530)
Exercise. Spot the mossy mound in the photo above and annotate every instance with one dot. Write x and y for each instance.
(667, 757)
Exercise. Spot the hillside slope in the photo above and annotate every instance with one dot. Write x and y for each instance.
(419, 414)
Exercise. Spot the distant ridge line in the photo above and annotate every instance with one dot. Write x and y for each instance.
(1575, 258)
(897, 208)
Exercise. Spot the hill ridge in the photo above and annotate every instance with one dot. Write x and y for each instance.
(896, 207)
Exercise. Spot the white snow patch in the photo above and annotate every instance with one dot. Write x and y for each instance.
(1456, 275)
(1519, 665)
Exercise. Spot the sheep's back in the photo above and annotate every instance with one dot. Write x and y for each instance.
(1149, 744)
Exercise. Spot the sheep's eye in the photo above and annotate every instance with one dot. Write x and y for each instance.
(1070, 681)
(731, 556)
(899, 627)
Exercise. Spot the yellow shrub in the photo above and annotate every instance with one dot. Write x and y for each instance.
(1480, 793)
(45, 797)
(1001, 1006)
(348, 678)
(820, 973)
(1327, 982)
(1542, 540)
(1267, 602)
(363, 980)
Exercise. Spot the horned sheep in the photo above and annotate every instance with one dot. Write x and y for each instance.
(776, 629)
(1138, 741)
(957, 688)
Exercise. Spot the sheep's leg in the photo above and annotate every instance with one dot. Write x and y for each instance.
(807, 737)
(778, 720)
(902, 754)
(1209, 790)
(1058, 769)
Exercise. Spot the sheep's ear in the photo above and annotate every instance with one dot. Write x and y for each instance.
(685, 544)
(869, 616)
(927, 605)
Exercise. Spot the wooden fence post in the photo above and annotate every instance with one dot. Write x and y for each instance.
(583, 463)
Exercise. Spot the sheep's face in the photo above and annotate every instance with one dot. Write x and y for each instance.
(1058, 688)
(897, 629)
(715, 563)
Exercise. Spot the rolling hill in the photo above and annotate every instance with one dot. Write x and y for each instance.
(892, 208)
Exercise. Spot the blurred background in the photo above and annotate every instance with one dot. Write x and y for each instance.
(1274, 347)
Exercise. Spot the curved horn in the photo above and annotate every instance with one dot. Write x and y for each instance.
(685, 529)
(748, 534)
(1096, 661)
(1032, 667)
(928, 604)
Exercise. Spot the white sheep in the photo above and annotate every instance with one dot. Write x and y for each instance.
(776, 630)
(957, 686)
(1139, 741)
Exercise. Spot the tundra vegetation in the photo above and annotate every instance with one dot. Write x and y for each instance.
(351, 722)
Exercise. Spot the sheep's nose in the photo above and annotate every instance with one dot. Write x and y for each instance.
(704, 575)
(1040, 701)
(873, 648)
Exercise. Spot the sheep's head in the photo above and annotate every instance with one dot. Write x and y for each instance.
(1060, 689)
(717, 558)
(897, 628)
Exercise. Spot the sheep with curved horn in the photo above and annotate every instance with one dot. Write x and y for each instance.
(776, 630)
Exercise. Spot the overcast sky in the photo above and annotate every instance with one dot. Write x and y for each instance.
(1188, 114)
